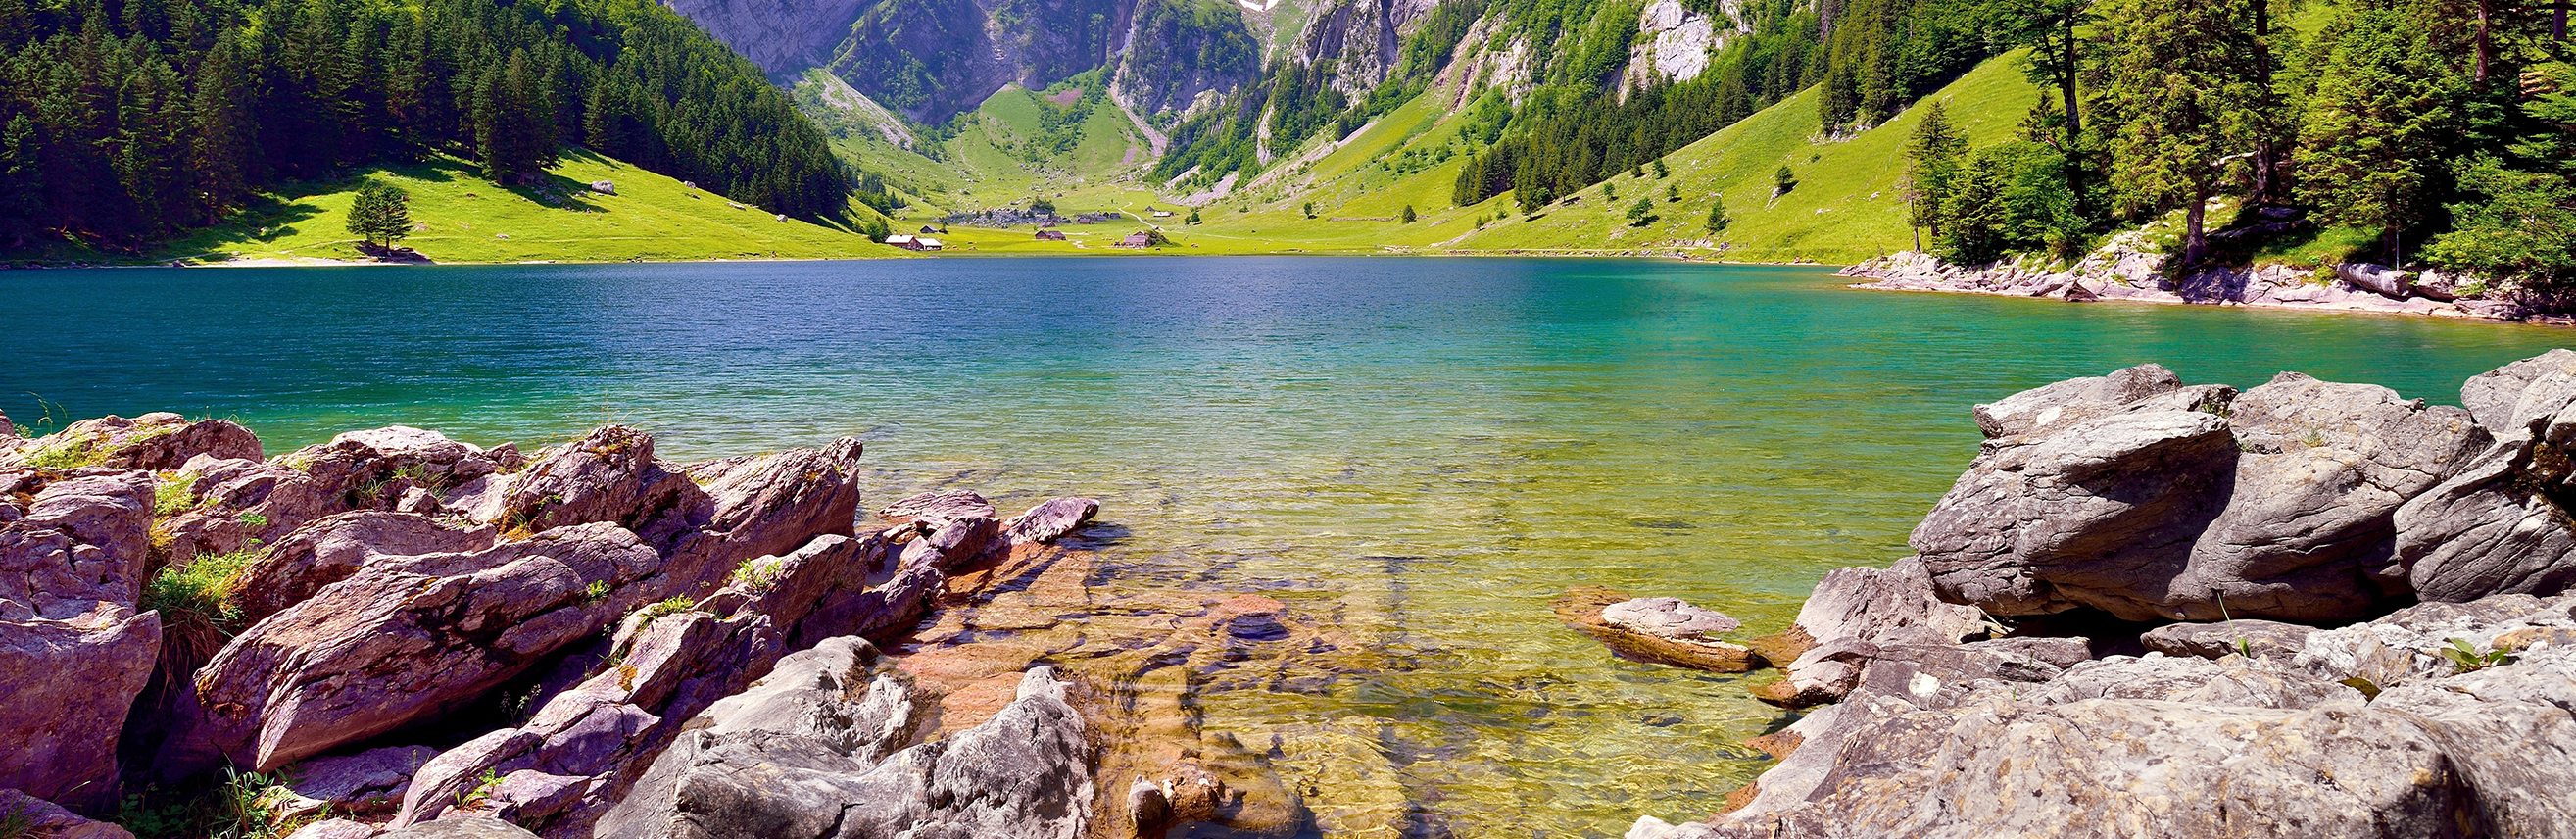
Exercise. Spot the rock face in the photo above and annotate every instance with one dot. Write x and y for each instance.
(590, 743)
(333, 548)
(2500, 524)
(2200, 747)
(824, 749)
(238, 500)
(2329, 503)
(2310, 516)
(73, 650)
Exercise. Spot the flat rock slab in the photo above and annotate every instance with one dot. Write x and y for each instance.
(1582, 607)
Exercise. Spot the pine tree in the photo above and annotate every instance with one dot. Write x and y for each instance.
(1933, 157)
(1717, 218)
(2371, 142)
(1407, 215)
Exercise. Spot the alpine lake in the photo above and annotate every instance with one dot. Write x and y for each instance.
(1426, 450)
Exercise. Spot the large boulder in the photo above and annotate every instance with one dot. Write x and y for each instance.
(820, 710)
(2502, 524)
(2090, 514)
(2073, 400)
(34, 817)
(1854, 616)
(405, 642)
(151, 442)
(331, 549)
(763, 505)
(609, 475)
(2310, 515)
(74, 653)
(2507, 399)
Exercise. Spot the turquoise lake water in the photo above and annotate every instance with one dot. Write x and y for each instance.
(1455, 440)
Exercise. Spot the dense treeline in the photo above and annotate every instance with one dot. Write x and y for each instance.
(124, 121)
(2450, 123)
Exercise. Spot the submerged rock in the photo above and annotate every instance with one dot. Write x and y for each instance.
(1051, 520)
(822, 749)
(1661, 630)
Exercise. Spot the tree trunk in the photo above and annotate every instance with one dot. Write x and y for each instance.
(2486, 40)
(2074, 121)
(2194, 242)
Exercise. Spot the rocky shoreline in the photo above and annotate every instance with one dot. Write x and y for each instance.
(2127, 271)
(396, 634)
(2149, 609)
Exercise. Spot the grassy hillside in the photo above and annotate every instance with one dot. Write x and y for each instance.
(1845, 207)
(460, 217)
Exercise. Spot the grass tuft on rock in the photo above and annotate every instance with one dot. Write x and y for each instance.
(201, 592)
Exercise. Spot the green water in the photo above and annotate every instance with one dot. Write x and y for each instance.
(1433, 448)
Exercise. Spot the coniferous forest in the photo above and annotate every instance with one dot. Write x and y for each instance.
(125, 121)
(2446, 128)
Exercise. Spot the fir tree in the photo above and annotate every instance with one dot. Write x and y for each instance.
(2370, 145)
(1717, 218)
(380, 214)
(1933, 157)
(2181, 86)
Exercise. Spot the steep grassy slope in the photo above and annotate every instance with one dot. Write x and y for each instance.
(1844, 208)
(460, 217)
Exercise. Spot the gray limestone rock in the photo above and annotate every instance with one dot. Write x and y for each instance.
(2310, 514)
(2264, 639)
(807, 754)
(2099, 513)
(1669, 617)
(2073, 400)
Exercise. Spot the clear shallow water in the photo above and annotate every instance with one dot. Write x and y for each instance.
(1430, 448)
